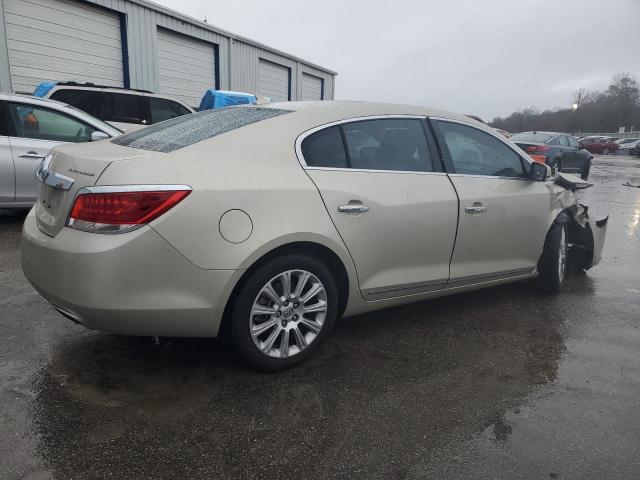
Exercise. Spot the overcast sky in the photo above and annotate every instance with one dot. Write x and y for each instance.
(483, 57)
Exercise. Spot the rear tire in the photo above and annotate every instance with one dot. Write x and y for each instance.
(552, 266)
(295, 334)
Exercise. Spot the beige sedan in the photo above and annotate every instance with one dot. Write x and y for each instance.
(269, 223)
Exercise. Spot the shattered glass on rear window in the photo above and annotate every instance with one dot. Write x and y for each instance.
(183, 131)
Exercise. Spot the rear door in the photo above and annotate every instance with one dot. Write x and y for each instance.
(7, 178)
(503, 215)
(34, 131)
(569, 156)
(383, 186)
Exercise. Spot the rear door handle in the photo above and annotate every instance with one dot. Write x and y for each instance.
(32, 155)
(475, 209)
(353, 208)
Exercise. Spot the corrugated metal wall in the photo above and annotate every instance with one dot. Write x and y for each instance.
(238, 57)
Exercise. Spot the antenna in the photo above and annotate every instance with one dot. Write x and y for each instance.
(205, 18)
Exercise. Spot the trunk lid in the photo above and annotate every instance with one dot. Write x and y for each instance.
(82, 165)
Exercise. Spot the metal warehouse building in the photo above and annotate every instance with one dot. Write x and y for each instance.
(138, 44)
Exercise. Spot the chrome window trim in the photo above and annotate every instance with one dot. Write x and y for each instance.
(131, 188)
(516, 150)
(307, 133)
(366, 170)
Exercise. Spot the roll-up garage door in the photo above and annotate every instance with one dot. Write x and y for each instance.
(187, 66)
(274, 81)
(62, 40)
(311, 87)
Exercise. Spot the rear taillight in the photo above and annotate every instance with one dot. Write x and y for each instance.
(538, 148)
(539, 158)
(122, 209)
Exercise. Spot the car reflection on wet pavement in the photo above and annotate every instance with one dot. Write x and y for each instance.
(500, 383)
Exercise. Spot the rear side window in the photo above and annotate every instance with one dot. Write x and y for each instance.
(85, 100)
(475, 152)
(394, 144)
(563, 141)
(162, 109)
(123, 108)
(388, 144)
(190, 129)
(573, 142)
(325, 149)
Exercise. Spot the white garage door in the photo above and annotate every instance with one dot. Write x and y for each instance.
(62, 40)
(311, 87)
(187, 66)
(273, 81)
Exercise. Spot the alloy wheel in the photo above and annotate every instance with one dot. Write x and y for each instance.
(288, 313)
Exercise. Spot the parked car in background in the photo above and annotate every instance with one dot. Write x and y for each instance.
(604, 145)
(29, 128)
(558, 150)
(420, 203)
(628, 144)
(636, 150)
(126, 109)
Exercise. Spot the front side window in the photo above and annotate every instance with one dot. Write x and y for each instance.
(475, 152)
(563, 141)
(388, 144)
(123, 108)
(554, 141)
(85, 100)
(27, 121)
(573, 142)
(162, 109)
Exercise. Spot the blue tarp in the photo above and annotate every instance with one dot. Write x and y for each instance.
(43, 88)
(213, 98)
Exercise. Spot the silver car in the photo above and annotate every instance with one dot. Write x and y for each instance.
(269, 223)
(29, 128)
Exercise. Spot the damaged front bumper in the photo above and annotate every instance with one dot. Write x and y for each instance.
(586, 238)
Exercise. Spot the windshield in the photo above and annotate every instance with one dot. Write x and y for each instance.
(190, 129)
(531, 137)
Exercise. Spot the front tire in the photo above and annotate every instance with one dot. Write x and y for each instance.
(585, 171)
(552, 266)
(283, 312)
(605, 151)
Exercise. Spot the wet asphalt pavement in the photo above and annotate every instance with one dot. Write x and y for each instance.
(500, 383)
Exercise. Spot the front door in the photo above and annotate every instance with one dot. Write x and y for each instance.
(394, 208)
(503, 215)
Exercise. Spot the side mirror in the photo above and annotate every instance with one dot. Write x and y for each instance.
(580, 146)
(98, 135)
(538, 172)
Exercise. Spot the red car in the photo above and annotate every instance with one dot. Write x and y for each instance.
(604, 145)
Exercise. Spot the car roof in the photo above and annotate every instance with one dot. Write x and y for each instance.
(543, 132)
(126, 91)
(19, 97)
(344, 109)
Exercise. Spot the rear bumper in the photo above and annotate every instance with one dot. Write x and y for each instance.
(131, 284)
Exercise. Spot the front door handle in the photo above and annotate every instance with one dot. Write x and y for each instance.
(32, 155)
(475, 209)
(353, 208)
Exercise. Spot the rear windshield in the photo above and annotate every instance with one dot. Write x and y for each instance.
(531, 137)
(189, 129)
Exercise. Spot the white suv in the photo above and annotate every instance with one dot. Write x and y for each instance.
(126, 109)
